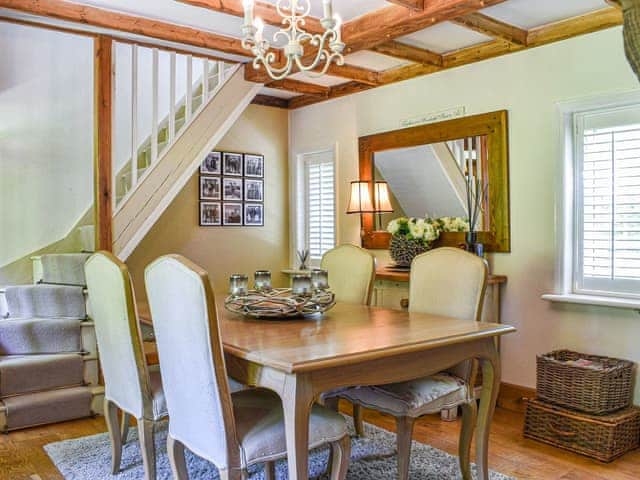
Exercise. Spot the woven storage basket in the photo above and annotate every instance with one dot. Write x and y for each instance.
(603, 438)
(595, 391)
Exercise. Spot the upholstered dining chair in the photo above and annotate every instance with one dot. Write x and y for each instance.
(129, 385)
(231, 430)
(448, 282)
(352, 271)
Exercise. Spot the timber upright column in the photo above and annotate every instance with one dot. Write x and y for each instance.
(102, 169)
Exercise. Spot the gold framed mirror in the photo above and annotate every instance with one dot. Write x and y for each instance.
(425, 168)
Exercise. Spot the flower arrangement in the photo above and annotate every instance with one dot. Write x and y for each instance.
(412, 236)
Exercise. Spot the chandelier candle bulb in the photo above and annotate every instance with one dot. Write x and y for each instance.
(328, 8)
(248, 12)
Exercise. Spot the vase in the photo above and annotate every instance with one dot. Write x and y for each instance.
(471, 239)
(403, 250)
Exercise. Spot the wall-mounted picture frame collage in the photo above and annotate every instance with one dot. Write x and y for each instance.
(231, 192)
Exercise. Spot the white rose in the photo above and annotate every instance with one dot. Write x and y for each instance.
(393, 227)
(417, 230)
(431, 233)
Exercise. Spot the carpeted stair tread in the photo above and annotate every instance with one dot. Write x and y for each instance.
(35, 373)
(40, 335)
(46, 407)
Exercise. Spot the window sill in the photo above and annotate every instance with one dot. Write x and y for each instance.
(602, 301)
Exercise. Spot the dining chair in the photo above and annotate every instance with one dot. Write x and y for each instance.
(352, 271)
(448, 282)
(130, 386)
(231, 430)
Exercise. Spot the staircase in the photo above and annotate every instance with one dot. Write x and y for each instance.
(159, 167)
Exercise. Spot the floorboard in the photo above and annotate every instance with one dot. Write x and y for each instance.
(22, 456)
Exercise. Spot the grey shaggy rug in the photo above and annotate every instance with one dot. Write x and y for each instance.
(372, 458)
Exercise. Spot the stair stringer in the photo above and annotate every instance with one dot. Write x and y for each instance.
(163, 183)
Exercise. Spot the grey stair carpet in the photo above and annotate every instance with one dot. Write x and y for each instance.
(36, 373)
(47, 407)
(64, 268)
(39, 336)
(372, 458)
(51, 301)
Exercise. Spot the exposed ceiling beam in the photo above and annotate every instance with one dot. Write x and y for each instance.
(348, 88)
(411, 4)
(588, 23)
(296, 86)
(493, 28)
(350, 72)
(374, 28)
(266, 11)
(121, 22)
(408, 52)
(269, 101)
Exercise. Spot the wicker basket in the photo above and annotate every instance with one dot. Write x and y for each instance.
(603, 438)
(592, 390)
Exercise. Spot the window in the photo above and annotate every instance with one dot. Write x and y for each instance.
(316, 229)
(606, 232)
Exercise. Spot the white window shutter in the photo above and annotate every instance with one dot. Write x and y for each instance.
(320, 204)
(608, 202)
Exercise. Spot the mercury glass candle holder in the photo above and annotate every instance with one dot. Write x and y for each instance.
(301, 285)
(238, 284)
(320, 279)
(262, 280)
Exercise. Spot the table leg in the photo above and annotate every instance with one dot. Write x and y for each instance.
(490, 364)
(297, 400)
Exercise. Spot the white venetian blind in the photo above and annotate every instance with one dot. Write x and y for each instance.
(320, 204)
(608, 201)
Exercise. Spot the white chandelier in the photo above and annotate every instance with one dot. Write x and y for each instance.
(293, 14)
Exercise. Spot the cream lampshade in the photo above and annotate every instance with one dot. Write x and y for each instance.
(382, 198)
(360, 200)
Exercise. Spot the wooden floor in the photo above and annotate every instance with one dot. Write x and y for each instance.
(22, 456)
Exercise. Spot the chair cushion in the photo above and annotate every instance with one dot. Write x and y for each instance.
(414, 398)
(157, 394)
(260, 425)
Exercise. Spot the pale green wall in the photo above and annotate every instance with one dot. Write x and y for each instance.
(528, 84)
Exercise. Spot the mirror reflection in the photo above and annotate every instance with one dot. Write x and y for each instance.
(432, 180)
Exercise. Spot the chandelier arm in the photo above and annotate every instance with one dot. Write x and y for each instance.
(322, 52)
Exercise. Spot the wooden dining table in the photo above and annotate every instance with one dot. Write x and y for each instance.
(354, 345)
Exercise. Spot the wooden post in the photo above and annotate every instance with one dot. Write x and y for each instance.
(102, 170)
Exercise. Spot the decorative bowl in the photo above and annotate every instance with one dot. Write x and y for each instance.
(280, 303)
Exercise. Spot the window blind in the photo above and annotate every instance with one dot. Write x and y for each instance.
(608, 202)
(320, 204)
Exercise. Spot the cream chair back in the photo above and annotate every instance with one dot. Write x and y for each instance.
(448, 281)
(191, 359)
(352, 271)
(113, 311)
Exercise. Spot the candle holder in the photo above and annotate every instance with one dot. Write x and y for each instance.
(320, 280)
(301, 285)
(262, 280)
(238, 285)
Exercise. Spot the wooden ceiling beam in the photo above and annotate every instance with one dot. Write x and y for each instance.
(121, 22)
(374, 28)
(270, 101)
(588, 23)
(350, 72)
(296, 86)
(410, 4)
(408, 52)
(266, 11)
(494, 28)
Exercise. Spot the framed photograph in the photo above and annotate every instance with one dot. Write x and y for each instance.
(210, 188)
(253, 165)
(254, 214)
(232, 214)
(210, 214)
(232, 164)
(232, 188)
(212, 164)
(254, 190)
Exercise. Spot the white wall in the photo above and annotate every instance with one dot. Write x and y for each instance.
(528, 84)
(46, 136)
